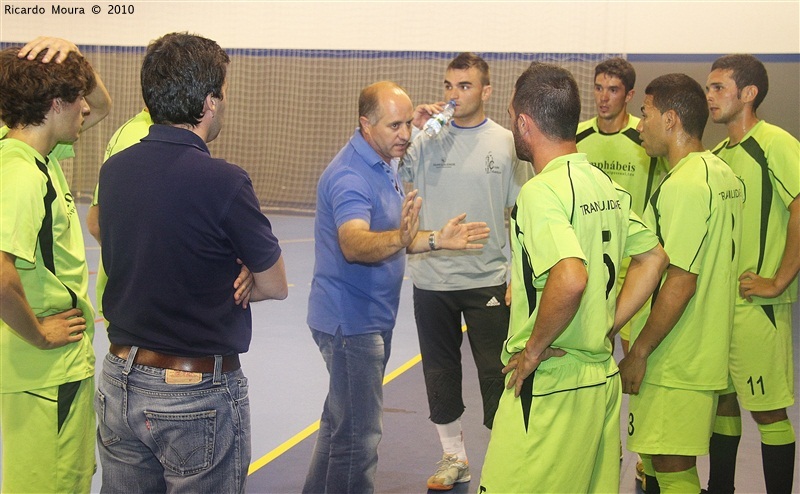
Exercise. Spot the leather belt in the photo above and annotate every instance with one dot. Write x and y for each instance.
(164, 361)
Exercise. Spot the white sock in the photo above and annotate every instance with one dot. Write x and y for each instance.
(452, 439)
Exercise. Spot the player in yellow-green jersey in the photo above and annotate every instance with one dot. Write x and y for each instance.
(611, 143)
(570, 228)
(49, 95)
(679, 354)
(767, 159)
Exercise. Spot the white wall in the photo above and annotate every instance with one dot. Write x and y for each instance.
(556, 26)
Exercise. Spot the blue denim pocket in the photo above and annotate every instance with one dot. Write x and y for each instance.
(107, 436)
(242, 388)
(185, 440)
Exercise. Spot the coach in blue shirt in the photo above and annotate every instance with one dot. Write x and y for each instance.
(364, 226)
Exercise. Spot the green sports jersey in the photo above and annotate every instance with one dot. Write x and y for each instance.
(126, 136)
(571, 209)
(767, 160)
(623, 158)
(39, 225)
(696, 213)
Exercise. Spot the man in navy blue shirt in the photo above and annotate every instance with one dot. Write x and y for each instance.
(364, 225)
(173, 411)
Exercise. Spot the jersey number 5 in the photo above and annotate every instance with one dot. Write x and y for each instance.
(612, 270)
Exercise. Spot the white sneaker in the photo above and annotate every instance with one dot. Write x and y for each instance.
(450, 470)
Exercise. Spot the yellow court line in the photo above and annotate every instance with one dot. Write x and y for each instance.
(297, 438)
(286, 446)
(396, 373)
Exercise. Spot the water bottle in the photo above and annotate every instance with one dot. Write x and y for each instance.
(435, 124)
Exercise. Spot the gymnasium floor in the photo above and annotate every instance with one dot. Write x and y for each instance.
(288, 384)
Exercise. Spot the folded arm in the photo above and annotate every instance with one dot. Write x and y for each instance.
(271, 283)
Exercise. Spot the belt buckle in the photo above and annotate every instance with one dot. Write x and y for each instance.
(172, 376)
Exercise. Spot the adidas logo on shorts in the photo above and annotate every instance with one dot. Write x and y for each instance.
(492, 302)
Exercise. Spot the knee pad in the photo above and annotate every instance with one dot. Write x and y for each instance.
(777, 433)
(728, 426)
(686, 481)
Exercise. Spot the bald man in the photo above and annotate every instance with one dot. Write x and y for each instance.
(365, 224)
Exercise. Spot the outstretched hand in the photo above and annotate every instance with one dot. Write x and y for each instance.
(409, 218)
(456, 235)
(56, 47)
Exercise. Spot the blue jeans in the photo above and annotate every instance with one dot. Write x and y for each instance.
(159, 437)
(346, 453)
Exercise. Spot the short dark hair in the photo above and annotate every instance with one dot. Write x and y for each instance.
(619, 68)
(549, 95)
(467, 60)
(685, 96)
(746, 70)
(178, 72)
(28, 87)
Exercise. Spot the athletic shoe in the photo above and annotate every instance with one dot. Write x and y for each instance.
(450, 470)
(640, 476)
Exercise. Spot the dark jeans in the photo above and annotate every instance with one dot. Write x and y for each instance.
(345, 456)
